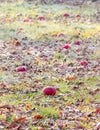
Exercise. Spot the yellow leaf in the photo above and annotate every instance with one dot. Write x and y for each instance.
(68, 103)
(52, 102)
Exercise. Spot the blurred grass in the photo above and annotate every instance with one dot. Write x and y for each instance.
(54, 24)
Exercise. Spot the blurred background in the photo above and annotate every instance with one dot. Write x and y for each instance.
(73, 2)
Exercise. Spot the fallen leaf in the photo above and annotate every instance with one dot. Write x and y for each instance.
(20, 119)
(37, 117)
(16, 43)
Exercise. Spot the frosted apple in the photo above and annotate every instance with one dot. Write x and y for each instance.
(21, 69)
(49, 90)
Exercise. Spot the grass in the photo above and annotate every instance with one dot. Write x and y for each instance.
(36, 30)
(48, 112)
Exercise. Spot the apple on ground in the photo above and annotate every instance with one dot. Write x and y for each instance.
(66, 15)
(49, 90)
(84, 63)
(41, 18)
(78, 42)
(19, 14)
(61, 35)
(27, 20)
(21, 69)
(78, 15)
(66, 46)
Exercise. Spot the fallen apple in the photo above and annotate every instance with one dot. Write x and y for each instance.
(66, 46)
(78, 42)
(27, 20)
(78, 15)
(21, 69)
(66, 15)
(19, 15)
(49, 90)
(61, 35)
(84, 63)
(41, 18)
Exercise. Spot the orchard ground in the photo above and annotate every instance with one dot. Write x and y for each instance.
(49, 45)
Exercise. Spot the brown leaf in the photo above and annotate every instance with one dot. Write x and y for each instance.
(5, 106)
(2, 85)
(14, 126)
(21, 119)
(75, 87)
(97, 111)
(16, 43)
(72, 78)
(37, 117)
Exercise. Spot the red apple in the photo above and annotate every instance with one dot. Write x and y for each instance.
(41, 18)
(66, 15)
(61, 35)
(54, 35)
(49, 90)
(27, 20)
(78, 15)
(19, 15)
(66, 46)
(84, 63)
(78, 42)
(21, 69)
